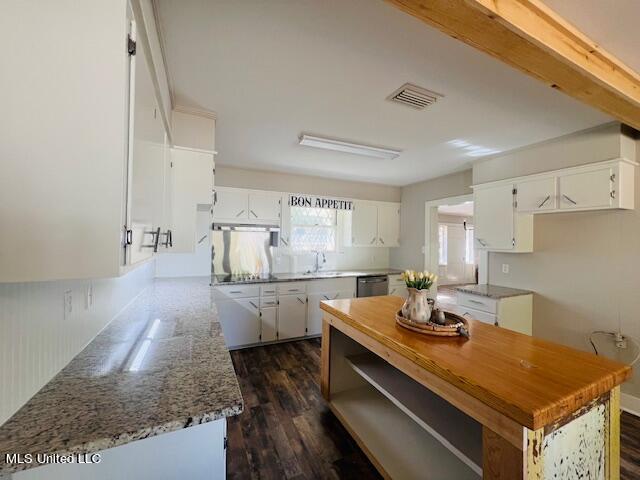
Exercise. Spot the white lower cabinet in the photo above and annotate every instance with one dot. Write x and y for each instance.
(292, 315)
(314, 313)
(268, 323)
(239, 317)
(397, 286)
(252, 314)
(514, 313)
(151, 458)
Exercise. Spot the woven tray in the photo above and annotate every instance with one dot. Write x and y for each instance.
(455, 326)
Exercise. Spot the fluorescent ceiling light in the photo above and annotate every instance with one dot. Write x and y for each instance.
(346, 147)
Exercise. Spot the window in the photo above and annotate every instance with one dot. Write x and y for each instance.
(469, 252)
(313, 229)
(442, 241)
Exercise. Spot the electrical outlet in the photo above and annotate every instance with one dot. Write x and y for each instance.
(68, 304)
(505, 268)
(89, 297)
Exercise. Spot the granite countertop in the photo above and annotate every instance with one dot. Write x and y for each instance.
(492, 291)
(112, 394)
(297, 277)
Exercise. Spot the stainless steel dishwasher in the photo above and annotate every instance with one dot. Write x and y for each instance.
(373, 286)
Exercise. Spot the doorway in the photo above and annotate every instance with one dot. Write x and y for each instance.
(458, 262)
(456, 255)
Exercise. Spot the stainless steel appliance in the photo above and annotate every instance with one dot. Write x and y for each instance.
(373, 286)
(242, 252)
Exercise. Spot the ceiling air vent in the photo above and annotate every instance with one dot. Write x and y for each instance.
(414, 96)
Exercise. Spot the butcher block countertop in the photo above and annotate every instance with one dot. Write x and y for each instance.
(532, 381)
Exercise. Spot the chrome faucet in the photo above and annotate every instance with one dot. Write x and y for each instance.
(317, 266)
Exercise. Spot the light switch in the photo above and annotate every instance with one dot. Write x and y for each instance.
(505, 268)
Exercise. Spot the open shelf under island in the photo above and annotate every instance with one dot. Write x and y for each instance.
(500, 405)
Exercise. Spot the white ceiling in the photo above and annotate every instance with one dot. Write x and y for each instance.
(613, 24)
(461, 210)
(273, 70)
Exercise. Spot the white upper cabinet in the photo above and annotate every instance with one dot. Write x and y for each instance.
(264, 206)
(192, 188)
(493, 217)
(388, 225)
(98, 162)
(231, 204)
(497, 224)
(375, 224)
(504, 209)
(364, 227)
(592, 189)
(146, 168)
(237, 205)
(536, 195)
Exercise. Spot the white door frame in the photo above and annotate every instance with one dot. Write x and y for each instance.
(431, 237)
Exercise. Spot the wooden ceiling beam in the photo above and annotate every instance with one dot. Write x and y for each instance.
(529, 36)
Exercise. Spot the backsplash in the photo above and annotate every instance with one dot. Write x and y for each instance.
(38, 336)
(351, 258)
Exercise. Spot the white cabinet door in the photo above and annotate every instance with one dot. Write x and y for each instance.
(292, 313)
(494, 217)
(264, 206)
(231, 205)
(240, 321)
(364, 228)
(389, 225)
(285, 223)
(192, 186)
(537, 195)
(399, 290)
(269, 327)
(586, 190)
(146, 167)
(314, 313)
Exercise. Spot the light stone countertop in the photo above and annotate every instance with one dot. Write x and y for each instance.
(112, 394)
(492, 291)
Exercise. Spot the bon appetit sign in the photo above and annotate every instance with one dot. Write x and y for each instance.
(320, 202)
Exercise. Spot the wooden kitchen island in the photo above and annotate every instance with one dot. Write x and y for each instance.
(500, 405)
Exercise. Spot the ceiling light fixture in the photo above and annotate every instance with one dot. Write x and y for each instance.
(346, 147)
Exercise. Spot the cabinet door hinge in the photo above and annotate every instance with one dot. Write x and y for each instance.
(128, 237)
(306, 330)
(131, 46)
(514, 191)
(225, 444)
(513, 242)
(171, 164)
(260, 337)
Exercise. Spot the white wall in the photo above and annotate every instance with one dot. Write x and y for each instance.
(36, 341)
(284, 182)
(412, 214)
(584, 268)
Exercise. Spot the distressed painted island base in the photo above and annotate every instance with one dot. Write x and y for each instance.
(412, 423)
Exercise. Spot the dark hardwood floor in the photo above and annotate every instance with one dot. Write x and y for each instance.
(287, 430)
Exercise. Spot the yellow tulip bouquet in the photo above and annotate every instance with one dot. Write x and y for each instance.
(419, 280)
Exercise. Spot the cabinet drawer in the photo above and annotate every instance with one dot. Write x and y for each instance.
(268, 302)
(239, 291)
(484, 317)
(268, 290)
(291, 288)
(396, 280)
(478, 302)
